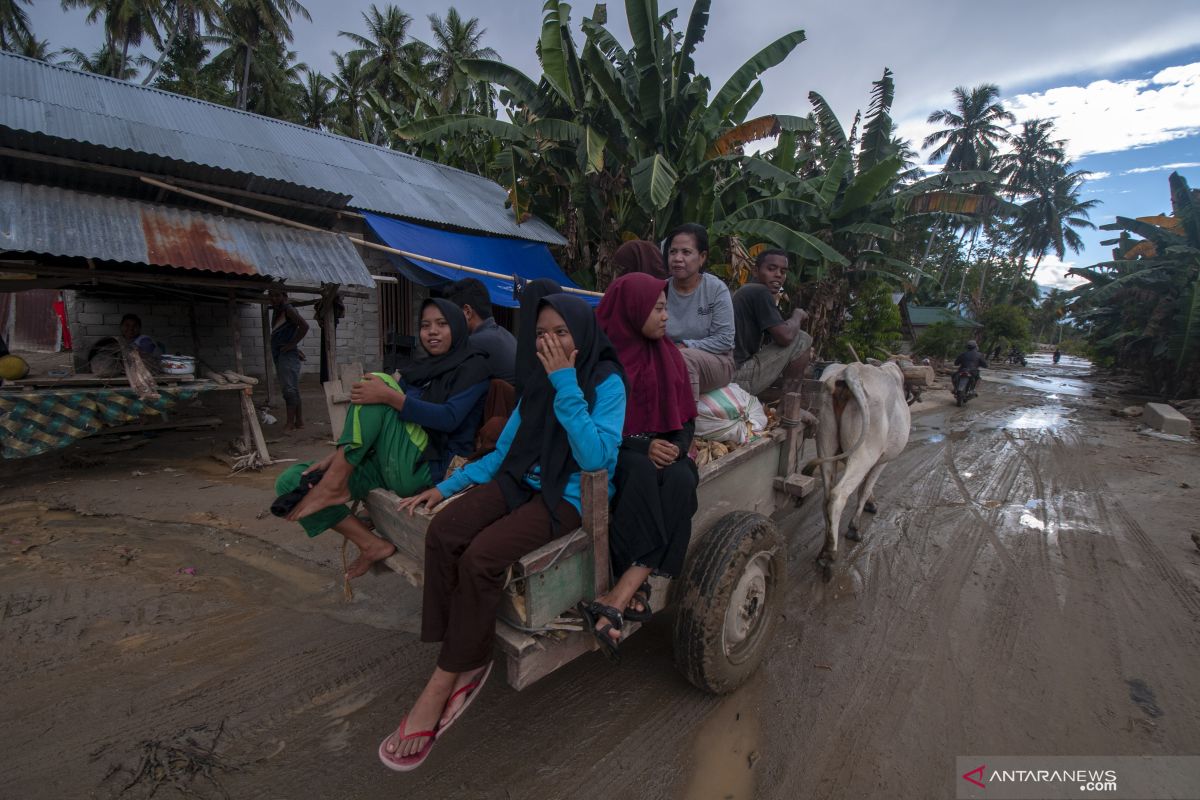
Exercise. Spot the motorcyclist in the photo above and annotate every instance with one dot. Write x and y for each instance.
(971, 360)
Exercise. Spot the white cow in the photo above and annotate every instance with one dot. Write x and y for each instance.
(863, 420)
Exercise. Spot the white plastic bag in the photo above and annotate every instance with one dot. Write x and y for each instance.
(729, 414)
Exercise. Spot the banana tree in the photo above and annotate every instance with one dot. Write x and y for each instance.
(1143, 305)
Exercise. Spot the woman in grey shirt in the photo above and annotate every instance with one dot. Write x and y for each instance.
(700, 309)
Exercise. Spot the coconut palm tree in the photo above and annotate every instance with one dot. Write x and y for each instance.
(973, 128)
(184, 19)
(14, 25)
(316, 105)
(454, 41)
(1048, 220)
(39, 49)
(386, 49)
(244, 27)
(1034, 155)
(127, 23)
(351, 83)
(105, 61)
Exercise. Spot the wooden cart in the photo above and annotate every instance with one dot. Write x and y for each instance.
(727, 598)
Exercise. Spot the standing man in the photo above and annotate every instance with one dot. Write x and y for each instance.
(288, 328)
(765, 344)
(487, 337)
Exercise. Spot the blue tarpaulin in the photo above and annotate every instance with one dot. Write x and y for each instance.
(526, 260)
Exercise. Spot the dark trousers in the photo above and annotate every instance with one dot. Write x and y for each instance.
(652, 514)
(468, 548)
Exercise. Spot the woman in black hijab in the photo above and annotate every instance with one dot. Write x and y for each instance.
(398, 435)
(526, 492)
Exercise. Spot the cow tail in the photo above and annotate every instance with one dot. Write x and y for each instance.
(854, 382)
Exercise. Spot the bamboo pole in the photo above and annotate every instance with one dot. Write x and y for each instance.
(360, 242)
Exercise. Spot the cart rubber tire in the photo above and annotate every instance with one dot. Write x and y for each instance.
(742, 560)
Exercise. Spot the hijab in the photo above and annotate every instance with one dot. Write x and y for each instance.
(660, 394)
(541, 440)
(441, 377)
(640, 256)
(527, 361)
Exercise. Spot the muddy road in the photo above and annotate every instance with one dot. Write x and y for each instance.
(1029, 586)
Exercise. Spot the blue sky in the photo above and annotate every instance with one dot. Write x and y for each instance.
(1091, 64)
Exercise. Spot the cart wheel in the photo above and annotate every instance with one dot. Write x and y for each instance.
(732, 586)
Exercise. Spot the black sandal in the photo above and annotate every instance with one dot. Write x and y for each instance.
(592, 613)
(642, 596)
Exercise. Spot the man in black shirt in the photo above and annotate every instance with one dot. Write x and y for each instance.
(471, 296)
(765, 344)
(971, 360)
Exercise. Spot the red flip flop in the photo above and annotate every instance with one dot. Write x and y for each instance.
(406, 763)
(472, 691)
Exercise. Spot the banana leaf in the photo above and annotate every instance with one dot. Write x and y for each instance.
(522, 87)
(653, 181)
(741, 80)
(696, 27)
(867, 186)
(803, 244)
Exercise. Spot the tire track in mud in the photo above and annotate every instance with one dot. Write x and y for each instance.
(885, 687)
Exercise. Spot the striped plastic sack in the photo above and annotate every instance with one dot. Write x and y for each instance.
(729, 414)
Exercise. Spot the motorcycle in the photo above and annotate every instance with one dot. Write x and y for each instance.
(964, 387)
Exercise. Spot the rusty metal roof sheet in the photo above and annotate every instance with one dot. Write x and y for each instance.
(61, 111)
(62, 222)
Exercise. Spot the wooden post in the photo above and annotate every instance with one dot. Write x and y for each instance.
(594, 496)
(252, 433)
(266, 333)
(787, 478)
(329, 295)
(195, 332)
(236, 333)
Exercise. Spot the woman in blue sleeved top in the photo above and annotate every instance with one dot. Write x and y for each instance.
(522, 495)
(399, 436)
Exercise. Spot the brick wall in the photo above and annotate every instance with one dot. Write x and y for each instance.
(95, 316)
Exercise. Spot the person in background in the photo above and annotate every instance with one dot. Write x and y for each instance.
(499, 345)
(339, 311)
(288, 329)
(133, 338)
(700, 311)
(765, 344)
(640, 256)
(655, 481)
(971, 360)
(521, 496)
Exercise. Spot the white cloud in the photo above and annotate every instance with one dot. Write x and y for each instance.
(1111, 116)
(1052, 273)
(1162, 167)
(1108, 116)
(1098, 175)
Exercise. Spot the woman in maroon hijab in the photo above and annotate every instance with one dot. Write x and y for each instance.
(640, 256)
(655, 480)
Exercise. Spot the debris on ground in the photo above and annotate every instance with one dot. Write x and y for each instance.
(1128, 412)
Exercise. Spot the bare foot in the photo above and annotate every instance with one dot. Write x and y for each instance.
(362, 565)
(454, 705)
(325, 494)
(423, 716)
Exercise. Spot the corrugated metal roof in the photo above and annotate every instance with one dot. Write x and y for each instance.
(123, 124)
(928, 315)
(62, 222)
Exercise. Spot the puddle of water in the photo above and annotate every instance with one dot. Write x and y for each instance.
(1050, 385)
(1044, 418)
(1031, 521)
(937, 438)
(726, 749)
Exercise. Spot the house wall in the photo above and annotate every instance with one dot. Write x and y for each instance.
(93, 317)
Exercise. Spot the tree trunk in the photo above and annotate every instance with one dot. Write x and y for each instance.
(244, 92)
(166, 50)
(1036, 264)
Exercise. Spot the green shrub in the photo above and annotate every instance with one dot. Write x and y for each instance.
(873, 329)
(1007, 323)
(941, 340)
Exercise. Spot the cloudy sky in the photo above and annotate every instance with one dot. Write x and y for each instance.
(1121, 80)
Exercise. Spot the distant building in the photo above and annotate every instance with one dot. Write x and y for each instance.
(917, 318)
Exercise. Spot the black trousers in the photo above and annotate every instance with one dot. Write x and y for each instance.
(652, 514)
